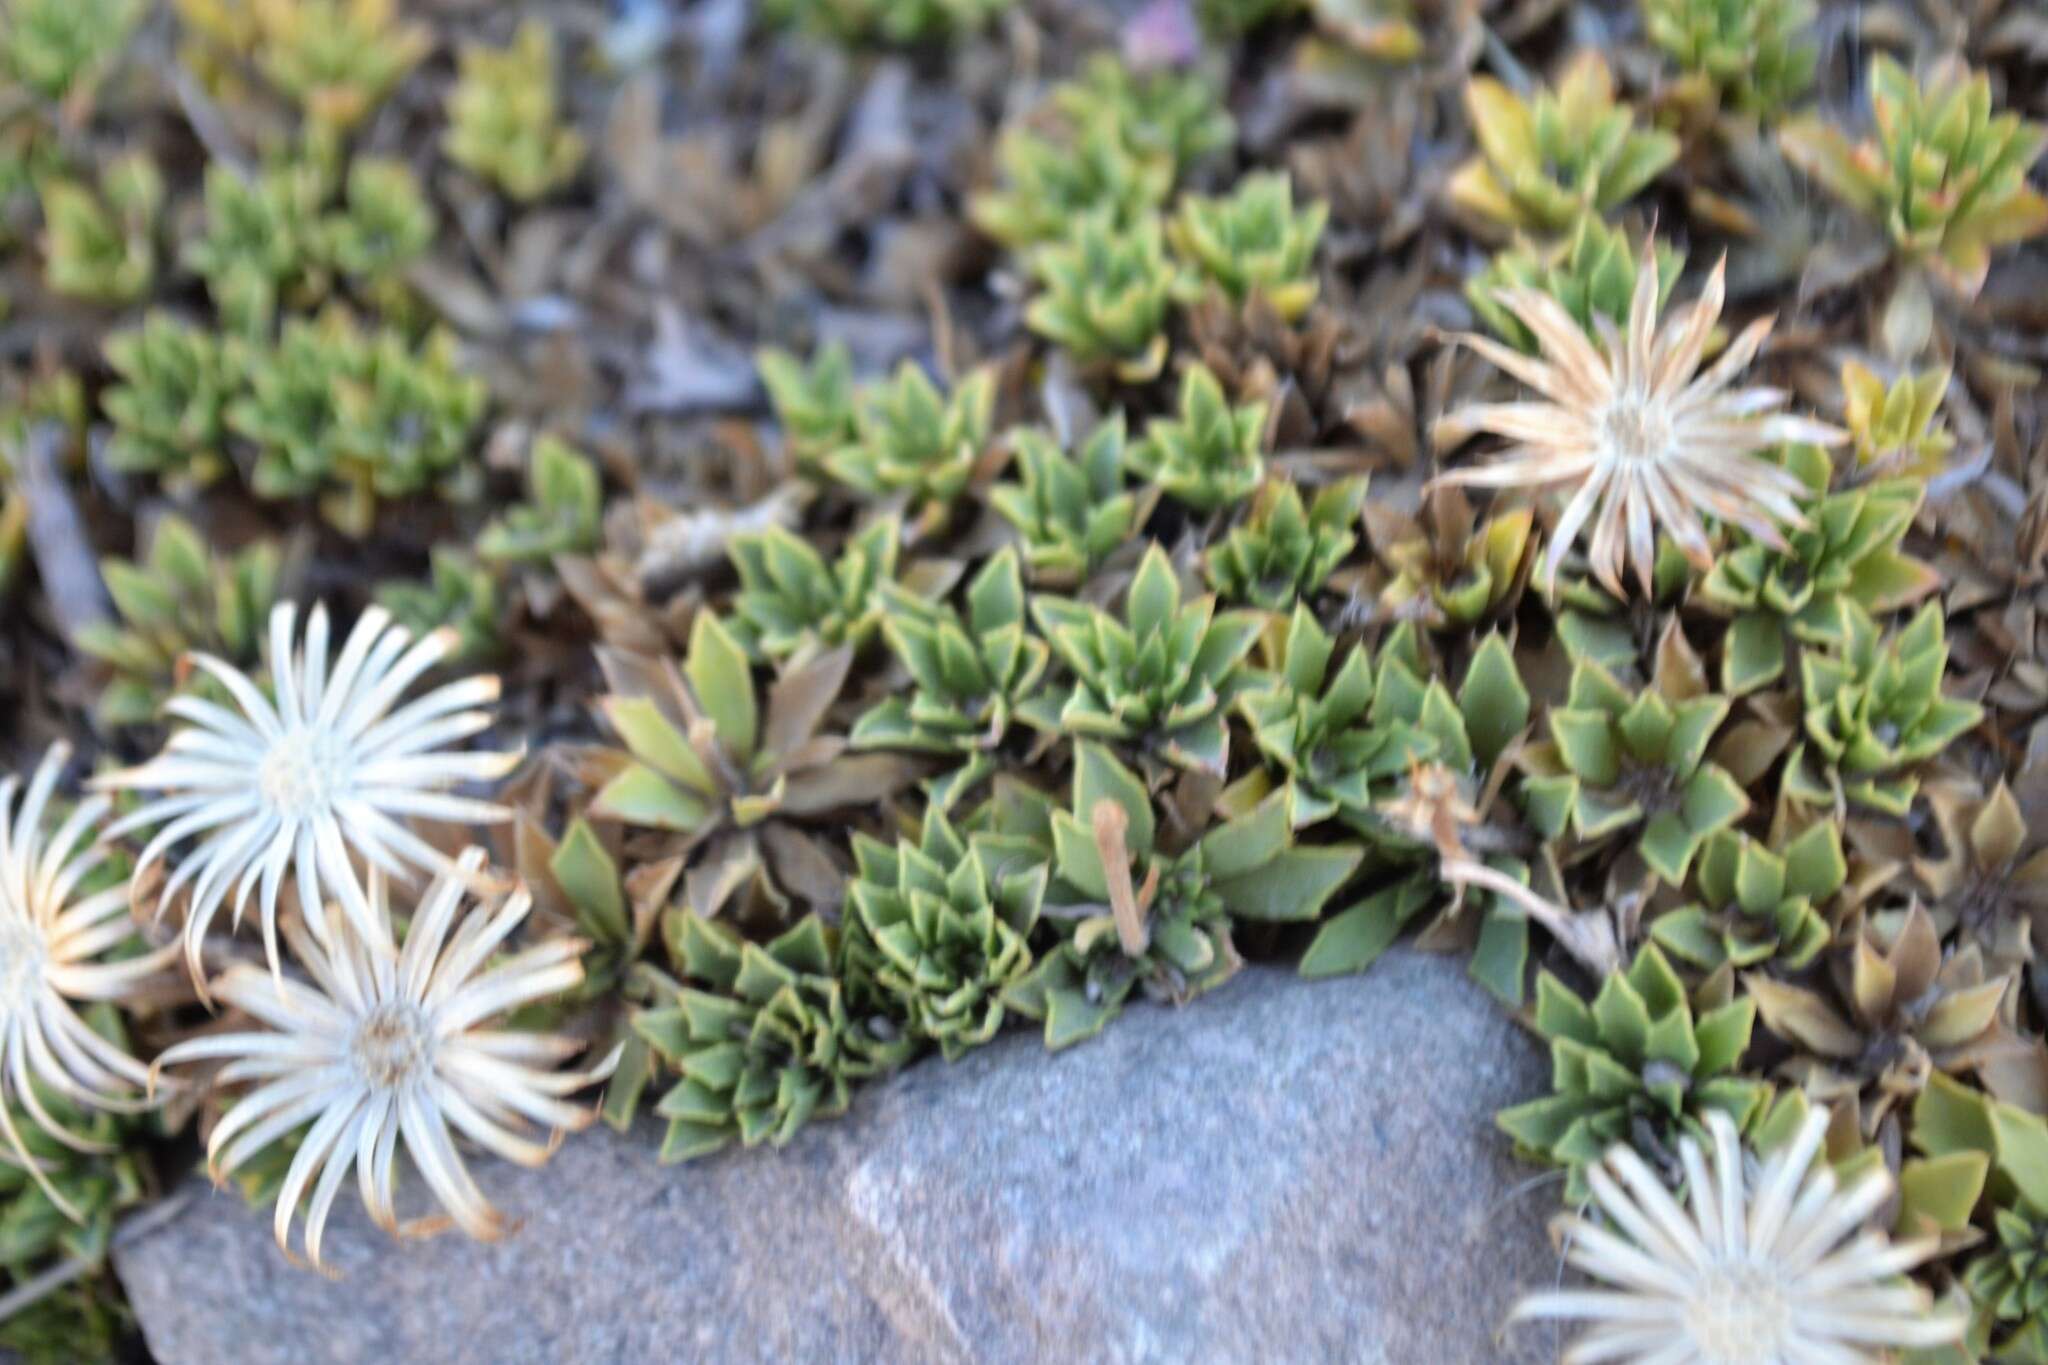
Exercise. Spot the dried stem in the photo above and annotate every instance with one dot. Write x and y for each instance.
(1110, 823)
(1589, 938)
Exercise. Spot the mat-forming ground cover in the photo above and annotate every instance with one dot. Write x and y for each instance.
(661, 563)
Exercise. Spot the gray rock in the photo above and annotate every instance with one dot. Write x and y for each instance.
(1282, 1171)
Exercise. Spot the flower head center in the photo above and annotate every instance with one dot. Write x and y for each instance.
(1738, 1314)
(23, 954)
(391, 1045)
(303, 772)
(1635, 431)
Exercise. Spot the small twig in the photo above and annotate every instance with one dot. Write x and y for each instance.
(1110, 823)
(56, 534)
(1589, 938)
(38, 1287)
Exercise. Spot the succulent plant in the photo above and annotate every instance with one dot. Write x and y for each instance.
(705, 760)
(1321, 731)
(1640, 1064)
(1159, 112)
(1444, 568)
(1946, 176)
(504, 122)
(218, 40)
(1071, 511)
(970, 677)
(1617, 762)
(168, 410)
(383, 224)
(1750, 54)
(1847, 557)
(177, 599)
(1050, 183)
(2002, 1282)
(1283, 552)
(942, 926)
(1758, 904)
(1897, 430)
(1211, 455)
(48, 394)
(760, 1035)
(1456, 744)
(883, 21)
(2008, 1284)
(259, 240)
(1592, 274)
(813, 402)
(1875, 710)
(1138, 915)
(1163, 677)
(1470, 731)
(1105, 289)
(458, 594)
(1253, 240)
(59, 49)
(911, 439)
(577, 879)
(87, 1320)
(367, 414)
(561, 515)
(791, 601)
(1906, 1010)
(1938, 1185)
(337, 59)
(102, 246)
(1593, 623)
(1988, 878)
(1544, 162)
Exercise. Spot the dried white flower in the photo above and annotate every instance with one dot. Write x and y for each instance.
(376, 1049)
(1642, 441)
(1746, 1278)
(49, 946)
(325, 770)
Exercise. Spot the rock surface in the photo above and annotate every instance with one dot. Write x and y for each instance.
(1282, 1171)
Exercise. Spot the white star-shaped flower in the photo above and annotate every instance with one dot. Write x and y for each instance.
(1774, 1273)
(51, 940)
(377, 1049)
(1642, 438)
(324, 769)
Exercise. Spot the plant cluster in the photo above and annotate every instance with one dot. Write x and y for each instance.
(1085, 202)
(1750, 53)
(102, 246)
(178, 599)
(502, 117)
(1945, 177)
(1331, 516)
(1572, 149)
